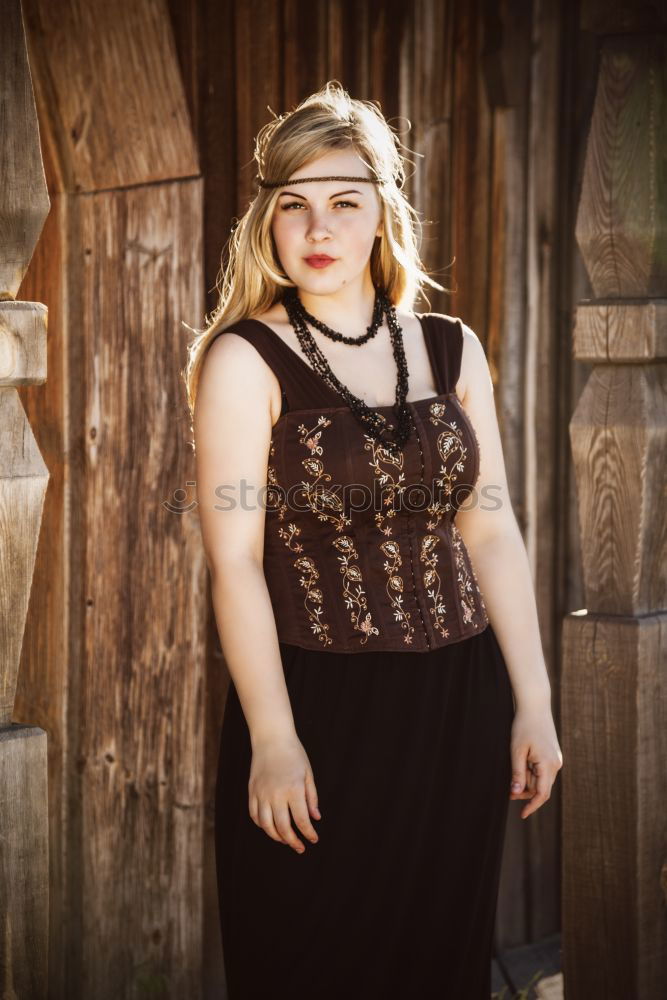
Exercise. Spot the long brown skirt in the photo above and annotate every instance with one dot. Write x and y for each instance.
(411, 759)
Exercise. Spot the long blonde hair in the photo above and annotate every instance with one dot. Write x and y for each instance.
(252, 280)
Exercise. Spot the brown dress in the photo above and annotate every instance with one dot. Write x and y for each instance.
(410, 750)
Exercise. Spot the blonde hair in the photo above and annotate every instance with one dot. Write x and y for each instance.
(252, 280)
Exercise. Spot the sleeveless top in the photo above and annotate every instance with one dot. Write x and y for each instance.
(361, 549)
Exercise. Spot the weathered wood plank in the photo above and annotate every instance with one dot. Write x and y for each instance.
(121, 580)
(622, 222)
(141, 689)
(471, 172)
(24, 863)
(258, 41)
(619, 446)
(23, 481)
(42, 695)
(24, 201)
(113, 105)
(614, 821)
(621, 331)
(22, 343)
(24, 476)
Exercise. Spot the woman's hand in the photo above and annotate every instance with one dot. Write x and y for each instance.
(281, 779)
(536, 757)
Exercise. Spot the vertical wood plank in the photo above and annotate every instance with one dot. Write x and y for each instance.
(109, 80)
(614, 696)
(24, 476)
(142, 686)
(123, 576)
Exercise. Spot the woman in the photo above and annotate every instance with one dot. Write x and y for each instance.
(383, 693)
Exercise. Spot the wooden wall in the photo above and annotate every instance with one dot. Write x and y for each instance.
(613, 687)
(148, 113)
(112, 665)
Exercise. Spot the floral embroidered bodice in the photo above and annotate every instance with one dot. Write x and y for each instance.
(361, 550)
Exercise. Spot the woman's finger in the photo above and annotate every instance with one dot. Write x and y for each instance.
(311, 795)
(518, 780)
(283, 823)
(266, 821)
(542, 791)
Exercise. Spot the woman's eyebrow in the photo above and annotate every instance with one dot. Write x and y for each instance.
(293, 194)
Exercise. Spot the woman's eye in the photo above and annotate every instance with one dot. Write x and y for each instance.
(299, 204)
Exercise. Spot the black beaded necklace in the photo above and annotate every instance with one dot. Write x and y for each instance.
(374, 422)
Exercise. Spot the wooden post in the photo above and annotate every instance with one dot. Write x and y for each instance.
(118, 604)
(614, 695)
(24, 205)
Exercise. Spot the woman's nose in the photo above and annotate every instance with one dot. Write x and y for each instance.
(317, 228)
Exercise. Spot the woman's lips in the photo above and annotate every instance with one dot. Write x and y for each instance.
(319, 261)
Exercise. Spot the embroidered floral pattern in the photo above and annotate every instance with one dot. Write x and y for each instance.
(392, 483)
(352, 589)
(273, 495)
(394, 587)
(464, 579)
(313, 599)
(432, 582)
(329, 507)
(273, 492)
(323, 502)
(386, 478)
(453, 453)
(288, 534)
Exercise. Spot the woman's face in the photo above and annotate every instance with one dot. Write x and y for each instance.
(335, 219)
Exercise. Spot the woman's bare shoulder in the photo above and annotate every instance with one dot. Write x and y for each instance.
(233, 360)
(475, 372)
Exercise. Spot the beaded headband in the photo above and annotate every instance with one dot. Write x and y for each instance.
(302, 180)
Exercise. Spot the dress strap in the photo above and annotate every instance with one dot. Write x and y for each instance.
(304, 388)
(444, 343)
(301, 386)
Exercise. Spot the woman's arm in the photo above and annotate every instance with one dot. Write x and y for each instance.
(493, 539)
(232, 430)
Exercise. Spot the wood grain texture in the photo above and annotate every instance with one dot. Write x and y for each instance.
(23, 482)
(621, 331)
(121, 582)
(24, 476)
(426, 104)
(24, 201)
(24, 863)
(113, 101)
(619, 447)
(22, 343)
(471, 172)
(613, 693)
(622, 221)
(543, 485)
(615, 728)
(258, 41)
(141, 687)
(45, 683)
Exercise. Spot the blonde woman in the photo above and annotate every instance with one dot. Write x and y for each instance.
(387, 698)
